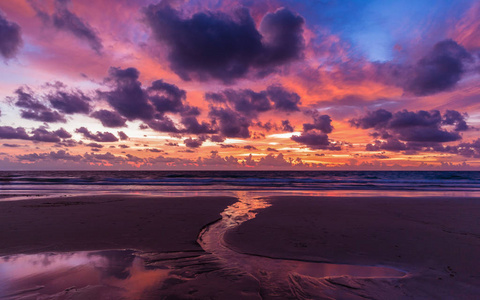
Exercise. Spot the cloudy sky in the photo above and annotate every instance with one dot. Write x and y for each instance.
(242, 84)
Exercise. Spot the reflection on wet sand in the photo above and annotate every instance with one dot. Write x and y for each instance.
(218, 272)
(88, 275)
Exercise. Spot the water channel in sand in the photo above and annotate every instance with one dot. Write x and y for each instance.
(218, 271)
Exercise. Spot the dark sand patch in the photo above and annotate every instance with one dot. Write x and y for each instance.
(106, 222)
(436, 240)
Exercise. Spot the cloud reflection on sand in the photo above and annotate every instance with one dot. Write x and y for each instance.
(102, 274)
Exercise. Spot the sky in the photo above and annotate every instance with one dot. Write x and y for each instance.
(239, 84)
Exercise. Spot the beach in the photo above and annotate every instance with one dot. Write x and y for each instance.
(435, 240)
(99, 222)
(296, 247)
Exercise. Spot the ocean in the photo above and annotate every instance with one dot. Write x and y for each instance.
(182, 183)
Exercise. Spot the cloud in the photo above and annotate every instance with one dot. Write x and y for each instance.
(94, 145)
(122, 135)
(109, 118)
(192, 126)
(314, 135)
(163, 124)
(250, 103)
(62, 133)
(64, 19)
(226, 47)
(283, 100)
(313, 139)
(34, 109)
(151, 104)
(40, 134)
(286, 126)
(10, 38)
(102, 137)
(412, 131)
(235, 109)
(452, 117)
(244, 101)
(440, 69)
(19, 133)
(70, 103)
(167, 97)
(374, 119)
(127, 97)
(47, 116)
(231, 123)
(59, 155)
(193, 143)
(43, 135)
(11, 145)
(65, 102)
(322, 123)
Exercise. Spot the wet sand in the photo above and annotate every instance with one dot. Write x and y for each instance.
(435, 240)
(106, 222)
(424, 248)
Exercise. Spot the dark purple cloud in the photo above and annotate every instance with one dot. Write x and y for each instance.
(391, 144)
(226, 47)
(94, 145)
(421, 126)
(192, 126)
(283, 100)
(440, 69)
(109, 118)
(12, 145)
(374, 119)
(286, 126)
(313, 139)
(19, 133)
(10, 38)
(151, 105)
(127, 96)
(244, 101)
(40, 134)
(167, 97)
(251, 103)
(217, 138)
(70, 103)
(122, 135)
(452, 117)
(101, 137)
(193, 143)
(231, 123)
(320, 122)
(62, 133)
(59, 155)
(163, 124)
(47, 116)
(233, 110)
(314, 135)
(33, 109)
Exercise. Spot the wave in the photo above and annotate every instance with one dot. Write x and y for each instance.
(309, 180)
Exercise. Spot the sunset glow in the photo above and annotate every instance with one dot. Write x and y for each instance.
(239, 85)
